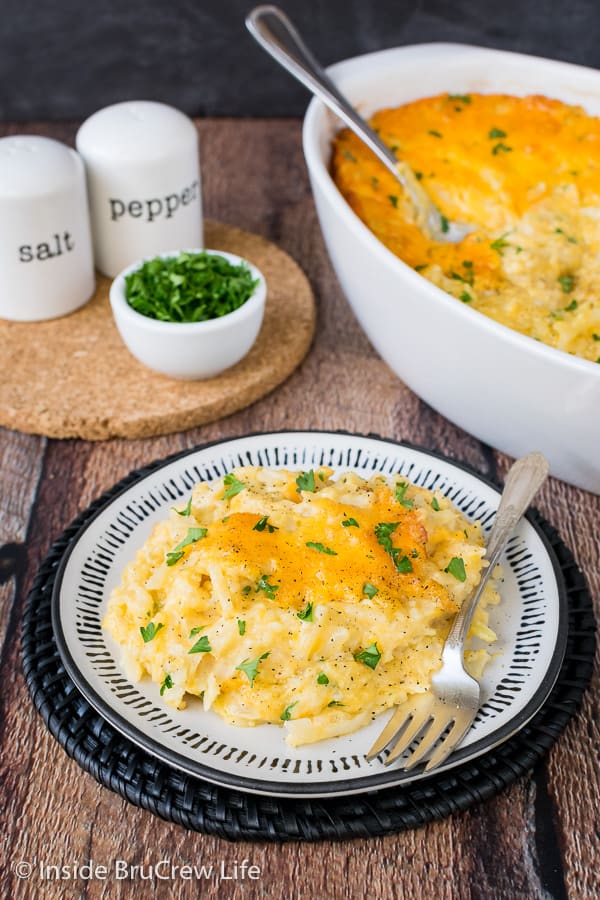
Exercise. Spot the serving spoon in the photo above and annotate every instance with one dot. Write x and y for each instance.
(272, 29)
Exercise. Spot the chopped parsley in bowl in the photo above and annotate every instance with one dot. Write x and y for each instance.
(189, 314)
(189, 287)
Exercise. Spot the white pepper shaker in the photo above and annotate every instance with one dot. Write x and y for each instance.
(46, 261)
(143, 174)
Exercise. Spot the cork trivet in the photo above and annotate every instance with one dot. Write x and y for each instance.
(74, 377)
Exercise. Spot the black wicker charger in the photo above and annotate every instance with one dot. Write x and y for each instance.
(133, 773)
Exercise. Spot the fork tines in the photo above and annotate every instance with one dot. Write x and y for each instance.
(418, 718)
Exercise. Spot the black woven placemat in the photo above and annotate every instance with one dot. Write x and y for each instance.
(133, 773)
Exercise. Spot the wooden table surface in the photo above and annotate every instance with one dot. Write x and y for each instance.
(539, 838)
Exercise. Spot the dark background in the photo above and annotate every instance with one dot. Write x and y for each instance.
(65, 59)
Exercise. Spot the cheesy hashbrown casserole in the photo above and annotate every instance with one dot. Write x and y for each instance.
(299, 599)
(525, 171)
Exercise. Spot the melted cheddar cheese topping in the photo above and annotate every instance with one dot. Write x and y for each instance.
(525, 171)
(306, 601)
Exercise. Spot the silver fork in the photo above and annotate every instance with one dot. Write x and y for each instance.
(454, 698)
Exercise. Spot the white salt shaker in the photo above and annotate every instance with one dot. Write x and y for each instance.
(46, 261)
(143, 174)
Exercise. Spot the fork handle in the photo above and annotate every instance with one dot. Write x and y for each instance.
(522, 483)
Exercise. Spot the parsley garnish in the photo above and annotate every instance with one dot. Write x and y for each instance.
(456, 567)
(174, 557)
(382, 532)
(596, 337)
(150, 631)
(322, 678)
(500, 244)
(202, 645)
(186, 511)
(444, 224)
(435, 133)
(349, 156)
(496, 133)
(393, 200)
(370, 657)
(306, 614)
(350, 523)
(465, 297)
(189, 287)
(419, 176)
(567, 283)
(242, 627)
(193, 535)
(264, 523)
(572, 305)
(166, 685)
(247, 589)
(264, 586)
(197, 630)
(370, 590)
(335, 703)
(250, 667)
(306, 482)
(463, 98)
(234, 486)
(435, 505)
(501, 148)
(317, 545)
(569, 237)
(401, 488)
(468, 277)
(287, 713)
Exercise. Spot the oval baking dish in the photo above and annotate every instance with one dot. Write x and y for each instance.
(503, 387)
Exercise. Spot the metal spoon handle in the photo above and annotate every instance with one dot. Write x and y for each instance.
(276, 34)
(274, 31)
(522, 483)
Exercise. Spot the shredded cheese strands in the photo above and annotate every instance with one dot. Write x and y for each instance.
(316, 623)
(342, 563)
(523, 171)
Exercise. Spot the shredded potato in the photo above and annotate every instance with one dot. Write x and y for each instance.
(525, 171)
(299, 599)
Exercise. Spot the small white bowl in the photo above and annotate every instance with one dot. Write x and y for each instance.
(190, 350)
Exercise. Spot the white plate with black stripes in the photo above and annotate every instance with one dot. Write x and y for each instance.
(531, 622)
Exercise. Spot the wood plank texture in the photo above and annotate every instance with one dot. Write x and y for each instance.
(538, 839)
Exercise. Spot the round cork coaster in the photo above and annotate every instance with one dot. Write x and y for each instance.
(74, 378)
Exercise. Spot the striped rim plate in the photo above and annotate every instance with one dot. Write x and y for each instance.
(531, 622)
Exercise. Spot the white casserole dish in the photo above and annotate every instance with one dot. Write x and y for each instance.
(503, 387)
